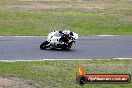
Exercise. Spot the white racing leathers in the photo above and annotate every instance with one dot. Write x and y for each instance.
(58, 39)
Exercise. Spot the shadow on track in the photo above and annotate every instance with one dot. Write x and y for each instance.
(54, 49)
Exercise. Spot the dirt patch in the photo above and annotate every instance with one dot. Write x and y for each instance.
(94, 6)
(14, 82)
(32, 5)
(41, 5)
(6, 82)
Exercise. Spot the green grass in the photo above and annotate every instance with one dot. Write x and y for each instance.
(85, 18)
(62, 74)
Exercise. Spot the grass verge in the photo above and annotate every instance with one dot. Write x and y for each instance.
(38, 18)
(62, 74)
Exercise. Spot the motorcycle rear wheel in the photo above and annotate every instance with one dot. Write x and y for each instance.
(67, 47)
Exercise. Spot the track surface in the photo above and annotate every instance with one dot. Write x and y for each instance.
(90, 47)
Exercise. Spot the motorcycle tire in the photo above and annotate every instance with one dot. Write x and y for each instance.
(43, 45)
(67, 47)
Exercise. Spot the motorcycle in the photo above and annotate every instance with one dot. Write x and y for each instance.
(58, 39)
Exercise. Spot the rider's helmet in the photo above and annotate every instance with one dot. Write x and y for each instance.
(66, 32)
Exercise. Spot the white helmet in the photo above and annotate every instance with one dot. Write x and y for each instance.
(66, 32)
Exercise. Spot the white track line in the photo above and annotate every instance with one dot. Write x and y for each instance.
(64, 59)
(122, 58)
(107, 35)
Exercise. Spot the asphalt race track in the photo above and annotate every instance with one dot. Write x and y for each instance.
(90, 47)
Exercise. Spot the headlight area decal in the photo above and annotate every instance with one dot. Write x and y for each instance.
(83, 78)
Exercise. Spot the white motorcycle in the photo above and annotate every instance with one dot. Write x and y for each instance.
(58, 39)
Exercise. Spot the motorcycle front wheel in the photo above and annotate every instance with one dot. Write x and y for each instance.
(44, 45)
